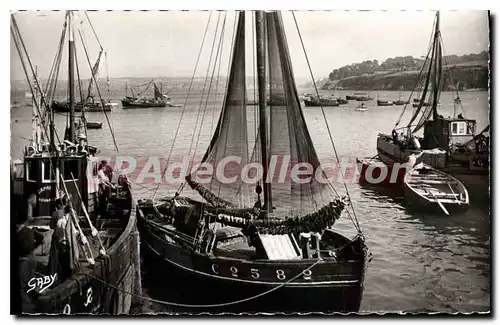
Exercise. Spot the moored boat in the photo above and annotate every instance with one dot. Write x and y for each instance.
(238, 249)
(430, 189)
(374, 172)
(384, 103)
(85, 255)
(462, 150)
(321, 101)
(159, 99)
(94, 125)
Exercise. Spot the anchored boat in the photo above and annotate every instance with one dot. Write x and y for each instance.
(271, 249)
(55, 191)
(430, 189)
(464, 152)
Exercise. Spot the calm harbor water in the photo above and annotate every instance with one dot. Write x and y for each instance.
(419, 263)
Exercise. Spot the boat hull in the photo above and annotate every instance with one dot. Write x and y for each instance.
(311, 103)
(87, 292)
(330, 287)
(448, 191)
(389, 152)
(127, 104)
(63, 107)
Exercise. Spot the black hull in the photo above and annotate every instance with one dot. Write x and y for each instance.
(87, 292)
(94, 125)
(335, 286)
(322, 103)
(126, 104)
(62, 107)
(179, 285)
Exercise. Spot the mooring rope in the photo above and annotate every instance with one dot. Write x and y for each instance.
(168, 303)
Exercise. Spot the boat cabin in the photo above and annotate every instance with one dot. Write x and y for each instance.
(446, 132)
(38, 177)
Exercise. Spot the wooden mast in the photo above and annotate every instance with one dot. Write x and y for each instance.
(261, 73)
(71, 82)
(437, 74)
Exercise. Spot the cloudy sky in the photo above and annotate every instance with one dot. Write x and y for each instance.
(165, 44)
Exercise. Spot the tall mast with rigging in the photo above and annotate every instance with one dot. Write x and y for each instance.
(261, 75)
(71, 80)
(436, 81)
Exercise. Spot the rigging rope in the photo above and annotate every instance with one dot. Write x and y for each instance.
(203, 94)
(209, 86)
(355, 221)
(429, 48)
(162, 302)
(98, 92)
(457, 100)
(93, 30)
(185, 101)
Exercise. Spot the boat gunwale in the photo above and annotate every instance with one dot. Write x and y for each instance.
(244, 261)
(441, 173)
(74, 282)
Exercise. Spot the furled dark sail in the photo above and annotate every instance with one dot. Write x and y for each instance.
(158, 94)
(95, 72)
(228, 150)
(299, 187)
(433, 84)
(289, 135)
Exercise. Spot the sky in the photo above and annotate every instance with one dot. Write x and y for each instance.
(166, 44)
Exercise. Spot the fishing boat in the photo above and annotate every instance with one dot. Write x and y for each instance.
(102, 263)
(88, 103)
(159, 99)
(358, 97)
(384, 103)
(430, 189)
(316, 101)
(361, 107)
(94, 125)
(271, 249)
(464, 152)
(400, 102)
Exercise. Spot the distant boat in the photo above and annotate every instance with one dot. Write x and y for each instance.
(91, 106)
(429, 188)
(320, 101)
(401, 102)
(384, 103)
(94, 125)
(361, 108)
(159, 100)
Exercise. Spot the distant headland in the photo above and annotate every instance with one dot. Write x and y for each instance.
(470, 71)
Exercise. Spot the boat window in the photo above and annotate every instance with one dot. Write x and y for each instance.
(48, 173)
(70, 169)
(458, 128)
(31, 170)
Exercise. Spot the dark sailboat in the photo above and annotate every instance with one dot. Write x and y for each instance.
(274, 249)
(319, 101)
(159, 100)
(89, 103)
(449, 144)
(72, 254)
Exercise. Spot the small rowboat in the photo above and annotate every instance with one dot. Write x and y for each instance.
(426, 187)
